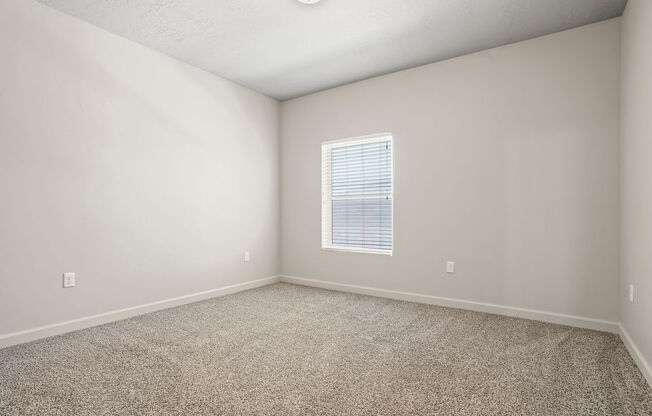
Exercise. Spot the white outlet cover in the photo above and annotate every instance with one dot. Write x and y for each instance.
(69, 279)
(631, 293)
(247, 256)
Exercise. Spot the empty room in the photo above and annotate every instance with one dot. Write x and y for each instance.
(325, 207)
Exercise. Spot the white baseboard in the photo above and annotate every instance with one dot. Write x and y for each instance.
(640, 361)
(20, 337)
(551, 317)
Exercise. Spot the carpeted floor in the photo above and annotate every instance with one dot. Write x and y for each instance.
(292, 350)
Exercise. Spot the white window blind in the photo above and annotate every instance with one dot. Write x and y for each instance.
(357, 187)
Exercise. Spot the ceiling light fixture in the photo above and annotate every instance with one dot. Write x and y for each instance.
(308, 1)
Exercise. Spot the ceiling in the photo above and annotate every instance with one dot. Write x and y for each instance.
(286, 49)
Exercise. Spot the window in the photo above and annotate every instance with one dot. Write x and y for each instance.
(357, 187)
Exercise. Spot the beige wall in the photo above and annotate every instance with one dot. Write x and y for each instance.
(145, 176)
(149, 178)
(506, 161)
(636, 177)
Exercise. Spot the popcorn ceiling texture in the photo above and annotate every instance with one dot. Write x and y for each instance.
(292, 350)
(286, 49)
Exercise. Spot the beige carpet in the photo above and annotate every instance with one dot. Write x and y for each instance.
(291, 350)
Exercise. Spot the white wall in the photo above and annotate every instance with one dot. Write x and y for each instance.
(145, 176)
(506, 161)
(636, 176)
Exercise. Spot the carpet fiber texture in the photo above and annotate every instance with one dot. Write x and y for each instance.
(291, 350)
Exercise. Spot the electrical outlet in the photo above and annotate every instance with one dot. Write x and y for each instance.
(69, 279)
(450, 267)
(247, 256)
(631, 293)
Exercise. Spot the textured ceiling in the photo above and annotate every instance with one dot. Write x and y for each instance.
(286, 49)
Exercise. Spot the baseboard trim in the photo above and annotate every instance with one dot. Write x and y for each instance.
(33, 334)
(636, 354)
(551, 317)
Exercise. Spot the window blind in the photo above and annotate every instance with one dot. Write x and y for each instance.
(357, 191)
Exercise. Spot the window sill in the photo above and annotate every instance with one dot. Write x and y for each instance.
(360, 250)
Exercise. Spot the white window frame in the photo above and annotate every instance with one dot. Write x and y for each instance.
(326, 192)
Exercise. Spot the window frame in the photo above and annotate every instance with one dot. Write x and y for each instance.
(326, 192)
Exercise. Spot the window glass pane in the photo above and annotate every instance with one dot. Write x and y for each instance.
(362, 223)
(361, 169)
